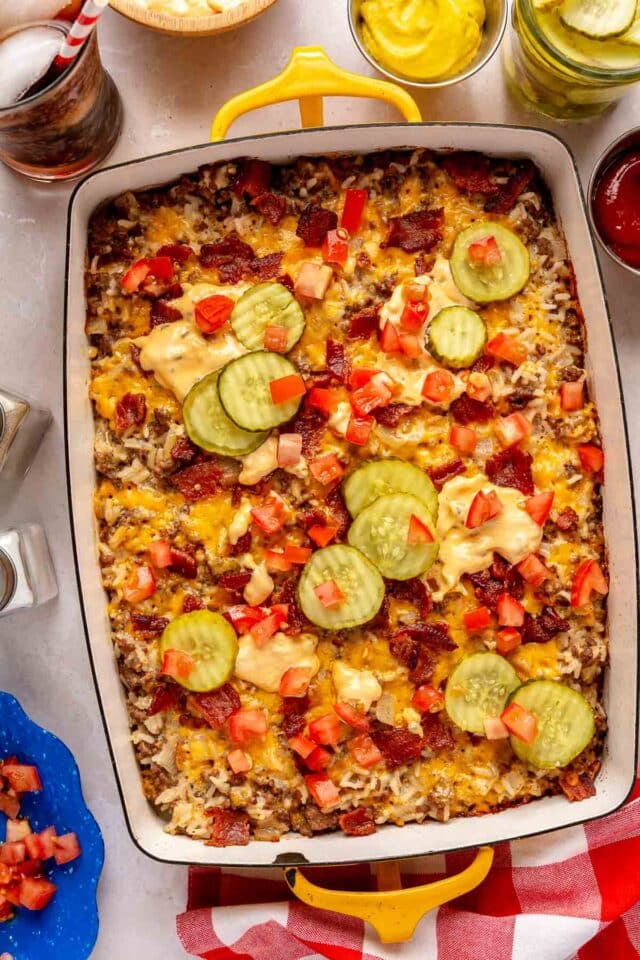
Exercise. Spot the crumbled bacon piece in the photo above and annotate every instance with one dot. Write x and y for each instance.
(467, 410)
(311, 424)
(180, 252)
(425, 665)
(172, 292)
(420, 230)
(577, 786)
(242, 544)
(405, 649)
(338, 363)
(364, 323)
(192, 602)
(267, 267)
(415, 647)
(363, 260)
(397, 745)
(314, 224)
(234, 260)
(254, 177)
(440, 475)
(230, 828)
(437, 735)
(544, 627)
(423, 264)
(293, 711)
(499, 578)
(339, 515)
(273, 206)
(471, 172)
(166, 696)
(286, 281)
(234, 582)
(198, 481)
(505, 199)
(357, 823)
(231, 248)
(148, 626)
(216, 707)
(511, 468)
(134, 352)
(567, 520)
(161, 313)
(483, 364)
(287, 595)
(183, 450)
(520, 398)
(412, 591)
(184, 563)
(130, 411)
(392, 415)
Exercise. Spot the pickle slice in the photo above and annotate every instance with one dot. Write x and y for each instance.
(244, 387)
(381, 532)
(501, 280)
(266, 305)
(598, 19)
(478, 689)
(377, 478)
(456, 337)
(210, 428)
(357, 579)
(565, 723)
(212, 643)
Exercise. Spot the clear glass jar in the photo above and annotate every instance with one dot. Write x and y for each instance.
(549, 69)
(22, 427)
(27, 577)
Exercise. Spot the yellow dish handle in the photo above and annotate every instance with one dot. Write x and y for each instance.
(393, 913)
(308, 77)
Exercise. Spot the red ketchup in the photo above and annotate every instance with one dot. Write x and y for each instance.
(616, 207)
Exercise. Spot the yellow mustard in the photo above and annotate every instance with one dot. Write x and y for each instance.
(423, 39)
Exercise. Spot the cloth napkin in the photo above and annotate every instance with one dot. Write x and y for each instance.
(569, 895)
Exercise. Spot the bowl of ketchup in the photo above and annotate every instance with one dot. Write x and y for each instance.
(614, 201)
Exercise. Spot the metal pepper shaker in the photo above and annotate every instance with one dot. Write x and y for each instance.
(22, 427)
(27, 577)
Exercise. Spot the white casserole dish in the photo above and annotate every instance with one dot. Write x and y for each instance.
(621, 685)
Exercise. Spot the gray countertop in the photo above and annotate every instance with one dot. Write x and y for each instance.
(171, 89)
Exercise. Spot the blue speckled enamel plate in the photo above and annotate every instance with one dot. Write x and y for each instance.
(68, 927)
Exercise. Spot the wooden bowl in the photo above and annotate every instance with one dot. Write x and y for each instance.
(192, 26)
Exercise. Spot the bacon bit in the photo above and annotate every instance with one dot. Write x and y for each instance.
(397, 745)
(229, 828)
(191, 602)
(216, 707)
(499, 578)
(357, 823)
(364, 323)
(437, 735)
(253, 178)
(293, 710)
(392, 415)
(507, 194)
(183, 450)
(576, 786)
(411, 591)
(286, 281)
(471, 173)
(483, 364)
(338, 512)
(414, 646)
(161, 313)
(172, 292)
(311, 425)
(234, 582)
(166, 696)
(198, 481)
(420, 230)
(467, 410)
(131, 410)
(148, 627)
(440, 475)
(225, 251)
(184, 563)
(272, 206)
(338, 363)
(567, 520)
(314, 224)
(267, 267)
(179, 252)
(544, 627)
(235, 259)
(511, 468)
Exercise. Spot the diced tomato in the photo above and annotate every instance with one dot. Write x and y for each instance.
(438, 386)
(588, 577)
(302, 745)
(248, 724)
(136, 275)
(140, 585)
(355, 719)
(35, 893)
(262, 632)
(239, 761)
(320, 535)
(325, 729)
(533, 570)
(427, 699)
(510, 611)
(243, 617)
(505, 347)
(512, 429)
(177, 663)
(324, 398)
(418, 532)
(329, 593)
(313, 280)
(22, 777)
(67, 848)
(270, 516)
(276, 339)
(213, 312)
(591, 457)
(41, 846)
(295, 682)
(9, 805)
(410, 345)
(289, 449)
(478, 619)
(17, 830)
(389, 340)
(495, 729)
(376, 393)
(161, 268)
(463, 439)
(520, 723)
(539, 506)
(13, 853)
(361, 376)
(355, 202)
(281, 610)
(572, 395)
(484, 507)
(359, 429)
(507, 640)
(160, 554)
(323, 790)
(276, 562)
(327, 469)
(319, 759)
(335, 248)
(364, 751)
(296, 555)
(479, 386)
(486, 251)
(287, 388)
(414, 315)
(6, 913)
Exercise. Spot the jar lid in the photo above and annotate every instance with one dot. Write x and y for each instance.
(7, 579)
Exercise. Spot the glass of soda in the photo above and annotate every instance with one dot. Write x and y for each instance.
(54, 126)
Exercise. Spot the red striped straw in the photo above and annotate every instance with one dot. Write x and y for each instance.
(81, 28)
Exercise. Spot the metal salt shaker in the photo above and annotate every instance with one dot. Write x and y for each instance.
(27, 578)
(22, 427)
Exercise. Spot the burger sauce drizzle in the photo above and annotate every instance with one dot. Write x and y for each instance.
(617, 207)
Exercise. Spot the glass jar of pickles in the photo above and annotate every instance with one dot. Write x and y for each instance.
(570, 59)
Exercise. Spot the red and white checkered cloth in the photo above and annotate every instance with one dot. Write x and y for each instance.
(573, 895)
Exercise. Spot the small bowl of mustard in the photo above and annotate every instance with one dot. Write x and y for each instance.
(428, 43)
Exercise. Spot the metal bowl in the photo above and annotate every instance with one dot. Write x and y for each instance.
(628, 141)
(492, 33)
(192, 26)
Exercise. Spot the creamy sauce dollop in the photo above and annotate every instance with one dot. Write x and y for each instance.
(264, 666)
(355, 686)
